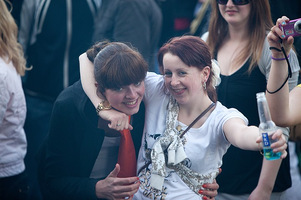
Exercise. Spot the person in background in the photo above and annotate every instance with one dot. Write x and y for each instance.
(183, 101)
(285, 106)
(200, 23)
(237, 39)
(53, 34)
(137, 22)
(13, 177)
(177, 17)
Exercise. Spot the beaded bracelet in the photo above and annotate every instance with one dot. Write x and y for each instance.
(279, 58)
(288, 66)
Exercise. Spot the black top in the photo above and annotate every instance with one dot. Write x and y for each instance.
(241, 168)
(68, 156)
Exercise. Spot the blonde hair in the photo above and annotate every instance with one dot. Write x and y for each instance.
(260, 21)
(10, 49)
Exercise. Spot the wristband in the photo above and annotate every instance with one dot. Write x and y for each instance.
(273, 58)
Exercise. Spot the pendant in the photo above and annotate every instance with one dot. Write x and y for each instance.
(179, 128)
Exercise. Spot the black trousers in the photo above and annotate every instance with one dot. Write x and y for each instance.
(15, 187)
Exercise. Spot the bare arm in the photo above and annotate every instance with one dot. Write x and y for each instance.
(88, 82)
(279, 107)
(267, 179)
(87, 79)
(247, 137)
(283, 105)
(240, 135)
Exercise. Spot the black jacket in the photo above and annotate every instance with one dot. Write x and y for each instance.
(68, 156)
(53, 34)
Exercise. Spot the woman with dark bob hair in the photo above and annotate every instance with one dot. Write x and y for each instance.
(78, 160)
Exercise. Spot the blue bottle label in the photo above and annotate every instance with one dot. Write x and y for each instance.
(265, 140)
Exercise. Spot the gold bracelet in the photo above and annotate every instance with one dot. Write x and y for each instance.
(104, 105)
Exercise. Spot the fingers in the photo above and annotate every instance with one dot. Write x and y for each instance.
(277, 35)
(210, 190)
(115, 171)
(208, 194)
(280, 145)
(283, 154)
(259, 139)
(220, 171)
(211, 186)
(119, 121)
(116, 188)
(119, 124)
(127, 191)
(124, 125)
(282, 21)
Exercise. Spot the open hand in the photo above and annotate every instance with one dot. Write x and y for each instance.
(115, 188)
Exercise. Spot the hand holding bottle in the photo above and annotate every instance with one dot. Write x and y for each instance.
(273, 141)
(279, 146)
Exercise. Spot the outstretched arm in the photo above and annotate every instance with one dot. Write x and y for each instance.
(247, 137)
(88, 82)
(283, 105)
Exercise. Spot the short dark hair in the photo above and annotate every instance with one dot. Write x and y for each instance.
(116, 65)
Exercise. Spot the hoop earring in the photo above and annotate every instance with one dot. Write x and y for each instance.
(204, 85)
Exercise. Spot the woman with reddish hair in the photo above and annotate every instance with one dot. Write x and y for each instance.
(185, 126)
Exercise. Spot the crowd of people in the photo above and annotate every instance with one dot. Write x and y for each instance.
(173, 82)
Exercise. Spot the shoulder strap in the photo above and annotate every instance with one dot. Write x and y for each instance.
(197, 119)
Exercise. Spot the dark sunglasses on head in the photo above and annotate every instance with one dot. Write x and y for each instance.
(235, 2)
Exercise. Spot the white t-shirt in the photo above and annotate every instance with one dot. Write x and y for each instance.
(204, 146)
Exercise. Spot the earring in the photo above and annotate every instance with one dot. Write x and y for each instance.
(204, 85)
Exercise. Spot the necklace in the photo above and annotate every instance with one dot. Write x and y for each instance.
(179, 127)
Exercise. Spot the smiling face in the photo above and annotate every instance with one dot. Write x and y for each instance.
(126, 99)
(185, 83)
(119, 73)
(235, 14)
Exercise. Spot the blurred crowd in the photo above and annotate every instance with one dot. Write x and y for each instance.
(54, 33)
